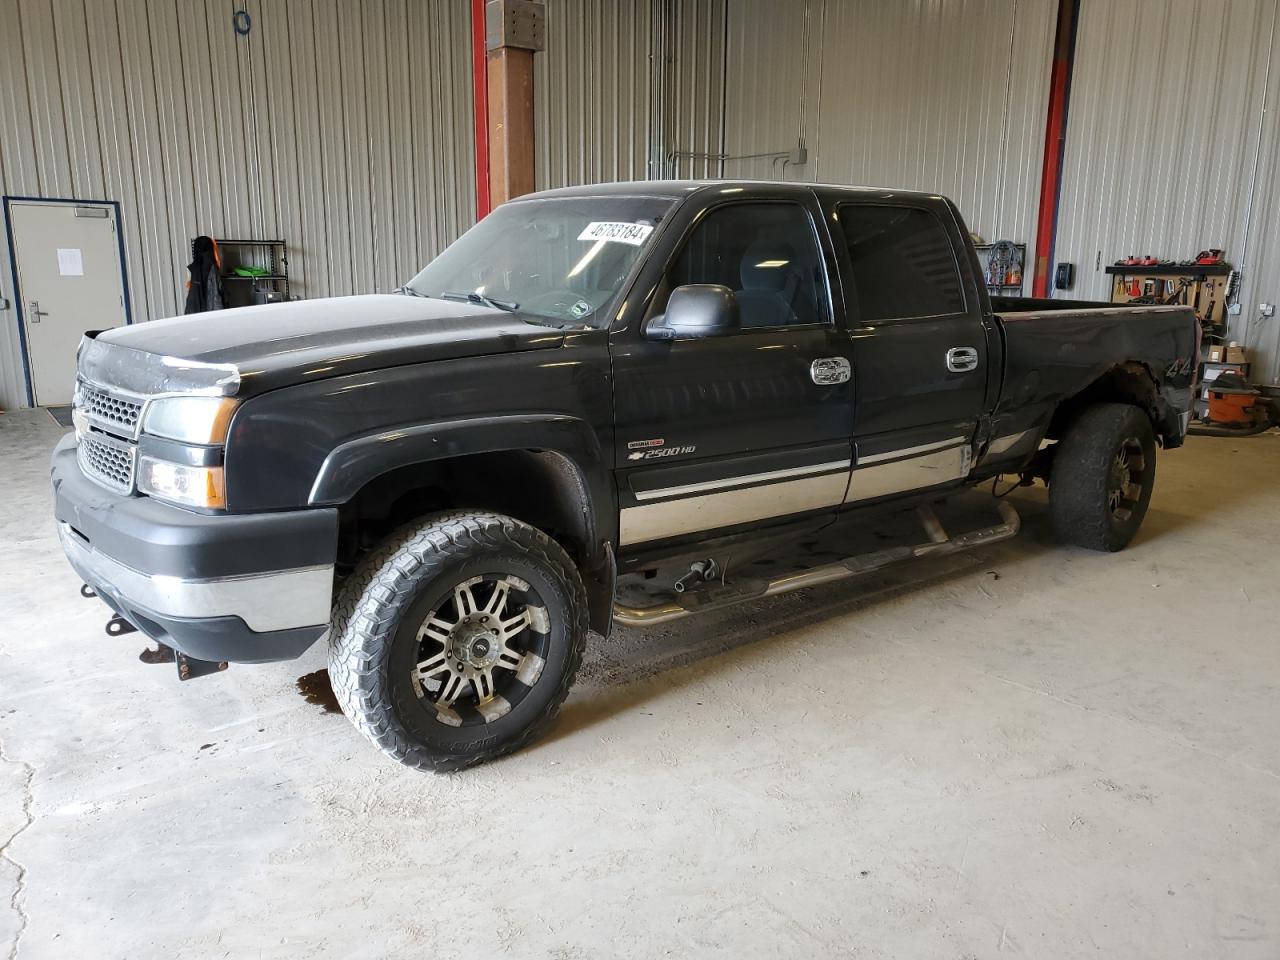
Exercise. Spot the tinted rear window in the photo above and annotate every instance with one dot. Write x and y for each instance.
(903, 263)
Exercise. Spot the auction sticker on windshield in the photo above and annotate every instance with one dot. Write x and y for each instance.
(614, 232)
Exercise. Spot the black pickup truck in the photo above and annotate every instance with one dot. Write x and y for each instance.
(592, 383)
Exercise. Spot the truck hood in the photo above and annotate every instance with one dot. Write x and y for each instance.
(248, 350)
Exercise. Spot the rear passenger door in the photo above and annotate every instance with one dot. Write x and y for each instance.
(750, 428)
(920, 344)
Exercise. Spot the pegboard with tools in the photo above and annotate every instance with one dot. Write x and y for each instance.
(1206, 288)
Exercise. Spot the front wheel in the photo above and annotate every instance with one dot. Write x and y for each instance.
(1102, 476)
(457, 640)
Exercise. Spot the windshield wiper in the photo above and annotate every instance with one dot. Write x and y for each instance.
(408, 291)
(481, 299)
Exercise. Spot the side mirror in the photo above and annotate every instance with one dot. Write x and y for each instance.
(697, 310)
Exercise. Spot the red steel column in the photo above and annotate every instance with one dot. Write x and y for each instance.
(1055, 139)
(480, 107)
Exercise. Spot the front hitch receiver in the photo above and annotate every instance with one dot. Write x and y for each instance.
(118, 626)
(189, 668)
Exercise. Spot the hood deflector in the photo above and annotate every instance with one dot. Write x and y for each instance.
(144, 374)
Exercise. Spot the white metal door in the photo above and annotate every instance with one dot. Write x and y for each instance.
(69, 281)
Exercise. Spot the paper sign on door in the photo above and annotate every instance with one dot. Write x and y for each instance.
(70, 263)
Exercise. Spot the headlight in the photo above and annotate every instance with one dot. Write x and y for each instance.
(194, 486)
(80, 422)
(190, 419)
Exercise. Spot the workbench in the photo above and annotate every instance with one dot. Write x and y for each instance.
(1206, 289)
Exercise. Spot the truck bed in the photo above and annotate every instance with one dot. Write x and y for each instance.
(1055, 349)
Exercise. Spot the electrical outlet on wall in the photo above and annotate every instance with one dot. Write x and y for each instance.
(4, 303)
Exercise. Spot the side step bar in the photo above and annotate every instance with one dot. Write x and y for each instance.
(726, 595)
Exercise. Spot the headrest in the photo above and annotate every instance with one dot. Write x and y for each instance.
(767, 265)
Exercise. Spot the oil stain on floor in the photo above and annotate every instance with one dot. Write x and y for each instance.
(316, 688)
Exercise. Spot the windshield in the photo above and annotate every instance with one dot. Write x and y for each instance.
(563, 259)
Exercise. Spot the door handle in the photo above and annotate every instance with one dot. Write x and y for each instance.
(36, 312)
(962, 359)
(829, 370)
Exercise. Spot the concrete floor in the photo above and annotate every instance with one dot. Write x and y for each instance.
(1026, 751)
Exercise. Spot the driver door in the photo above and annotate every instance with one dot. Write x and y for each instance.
(750, 428)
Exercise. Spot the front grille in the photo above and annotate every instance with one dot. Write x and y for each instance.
(107, 461)
(109, 410)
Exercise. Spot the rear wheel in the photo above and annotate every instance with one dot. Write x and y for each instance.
(1102, 476)
(458, 639)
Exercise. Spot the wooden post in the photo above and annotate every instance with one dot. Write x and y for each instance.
(514, 30)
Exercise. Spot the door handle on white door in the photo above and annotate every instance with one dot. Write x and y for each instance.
(36, 312)
(829, 370)
(962, 359)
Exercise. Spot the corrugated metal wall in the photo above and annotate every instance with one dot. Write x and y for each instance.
(692, 35)
(592, 93)
(1261, 256)
(948, 96)
(344, 126)
(623, 82)
(1167, 126)
(941, 95)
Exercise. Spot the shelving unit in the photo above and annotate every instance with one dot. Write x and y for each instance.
(276, 256)
(1205, 289)
(984, 254)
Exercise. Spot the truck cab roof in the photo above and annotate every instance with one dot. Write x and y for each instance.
(678, 189)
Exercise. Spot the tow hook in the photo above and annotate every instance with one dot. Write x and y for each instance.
(700, 571)
(189, 668)
(87, 591)
(161, 654)
(118, 626)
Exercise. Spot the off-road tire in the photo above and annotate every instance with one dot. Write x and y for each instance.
(1080, 480)
(376, 616)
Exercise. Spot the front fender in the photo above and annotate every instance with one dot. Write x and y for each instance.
(356, 462)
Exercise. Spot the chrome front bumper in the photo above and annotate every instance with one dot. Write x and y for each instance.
(244, 588)
(281, 600)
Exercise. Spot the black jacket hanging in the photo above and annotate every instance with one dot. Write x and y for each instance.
(204, 289)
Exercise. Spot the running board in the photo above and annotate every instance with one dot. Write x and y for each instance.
(716, 596)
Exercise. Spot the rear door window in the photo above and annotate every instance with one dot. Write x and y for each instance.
(904, 265)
